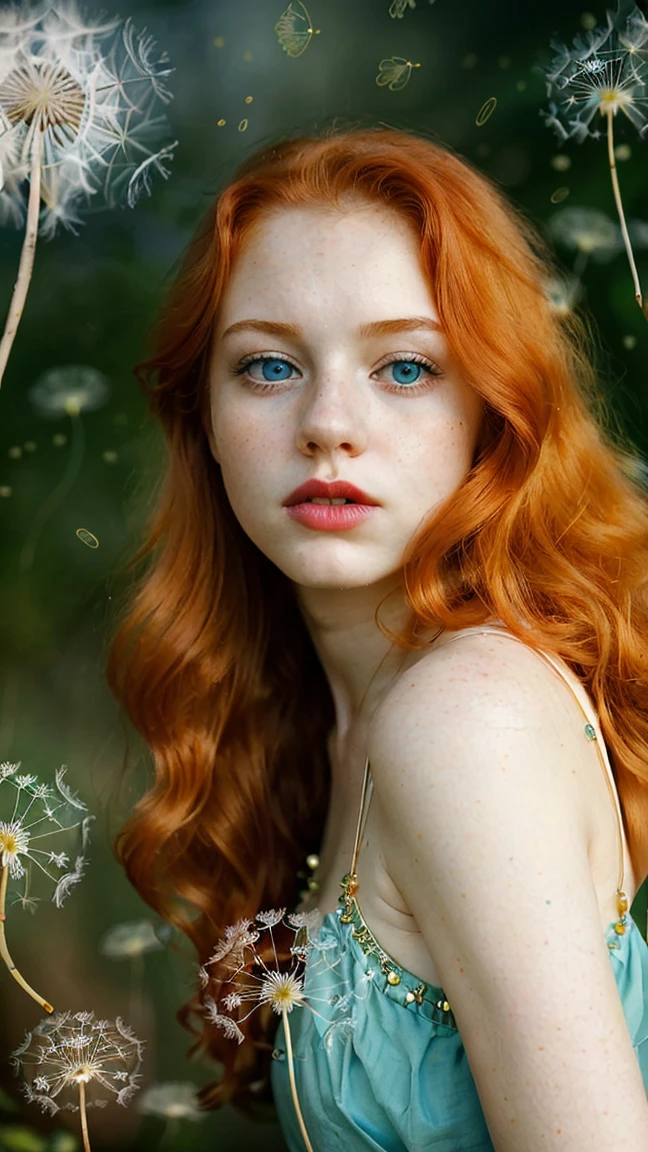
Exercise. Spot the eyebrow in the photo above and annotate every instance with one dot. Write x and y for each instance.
(375, 328)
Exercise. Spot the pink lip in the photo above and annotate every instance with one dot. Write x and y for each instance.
(333, 489)
(330, 517)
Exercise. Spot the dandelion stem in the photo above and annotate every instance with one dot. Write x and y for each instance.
(84, 1117)
(617, 197)
(26, 256)
(293, 1087)
(4, 951)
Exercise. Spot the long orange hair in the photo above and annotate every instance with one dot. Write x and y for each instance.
(212, 661)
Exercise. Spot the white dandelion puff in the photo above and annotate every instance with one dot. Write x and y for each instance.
(174, 1101)
(73, 1063)
(603, 74)
(81, 121)
(31, 813)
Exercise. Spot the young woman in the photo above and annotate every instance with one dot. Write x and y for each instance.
(441, 688)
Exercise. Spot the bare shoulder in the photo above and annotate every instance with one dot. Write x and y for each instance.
(472, 764)
(461, 694)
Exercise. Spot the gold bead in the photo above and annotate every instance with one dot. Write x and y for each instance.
(393, 977)
(409, 997)
(620, 928)
(312, 861)
(446, 1006)
(622, 903)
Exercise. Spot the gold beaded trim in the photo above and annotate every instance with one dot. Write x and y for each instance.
(622, 922)
(350, 914)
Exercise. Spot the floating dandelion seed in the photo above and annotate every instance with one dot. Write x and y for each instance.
(294, 29)
(31, 813)
(605, 71)
(79, 116)
(394, 72)
(74, 1062)
(397, 8)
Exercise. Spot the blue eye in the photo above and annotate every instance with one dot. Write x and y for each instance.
(408, 368)
(272, 368)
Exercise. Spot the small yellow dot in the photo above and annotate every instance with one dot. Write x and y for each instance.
(222, 123)
(15, 452)
(219, 42)
(629, 342)
(5, 491)
(249, 99)
(393, 977)
(110, 456)
(588, 20)
(623, 152)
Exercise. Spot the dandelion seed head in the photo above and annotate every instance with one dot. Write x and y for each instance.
(69, 390)
(283, 990)
(14, 841)
(586, 230)
(605, 71)
(130, 939)
(30, 813)
(94, 92)
(64, 1051)
(175, 1100)
(563, 294)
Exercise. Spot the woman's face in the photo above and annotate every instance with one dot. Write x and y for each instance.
(332, 398)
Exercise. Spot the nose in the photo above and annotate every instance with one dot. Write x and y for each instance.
(333, 416)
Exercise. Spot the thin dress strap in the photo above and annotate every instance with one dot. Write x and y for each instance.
(592, 731)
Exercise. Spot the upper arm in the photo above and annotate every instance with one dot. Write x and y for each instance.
(489, 846)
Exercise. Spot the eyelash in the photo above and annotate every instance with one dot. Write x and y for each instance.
(270, 385)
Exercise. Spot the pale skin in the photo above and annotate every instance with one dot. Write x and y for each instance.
(489, 855)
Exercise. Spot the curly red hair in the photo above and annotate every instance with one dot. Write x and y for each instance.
(212, 661)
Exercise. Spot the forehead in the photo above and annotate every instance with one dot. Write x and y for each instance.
(360, 257)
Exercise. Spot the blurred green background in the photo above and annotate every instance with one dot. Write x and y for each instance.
(92, 300)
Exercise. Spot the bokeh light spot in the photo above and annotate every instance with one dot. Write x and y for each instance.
(559, 195)
(561, 162)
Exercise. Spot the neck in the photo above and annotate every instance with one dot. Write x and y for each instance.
(359, 662)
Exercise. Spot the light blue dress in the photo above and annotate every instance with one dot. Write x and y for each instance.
(379, 1063)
